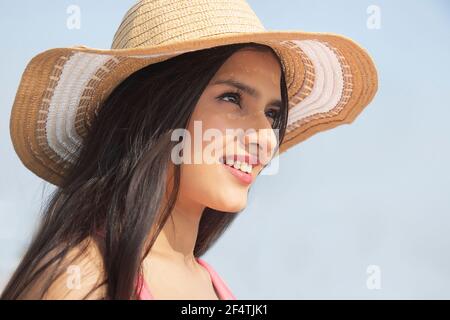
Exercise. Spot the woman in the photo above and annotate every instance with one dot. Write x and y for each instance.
(129, 220)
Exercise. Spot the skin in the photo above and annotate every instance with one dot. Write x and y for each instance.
(170, 269)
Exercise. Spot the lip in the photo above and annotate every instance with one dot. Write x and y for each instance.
(243, 177)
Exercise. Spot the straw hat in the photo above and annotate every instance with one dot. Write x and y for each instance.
(330, 78)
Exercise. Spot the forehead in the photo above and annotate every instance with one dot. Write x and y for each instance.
(252, 65)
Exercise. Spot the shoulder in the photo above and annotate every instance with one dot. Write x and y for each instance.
(79, 275)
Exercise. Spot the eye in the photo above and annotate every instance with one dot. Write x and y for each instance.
(273, 113)
(236, 97)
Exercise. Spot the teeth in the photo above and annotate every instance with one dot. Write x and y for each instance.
(247, 168)
(239, 165)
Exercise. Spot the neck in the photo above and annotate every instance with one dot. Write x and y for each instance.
(178, 236)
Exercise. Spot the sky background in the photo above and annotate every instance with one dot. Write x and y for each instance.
(373, 193)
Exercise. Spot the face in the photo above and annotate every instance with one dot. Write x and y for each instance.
(229, 122)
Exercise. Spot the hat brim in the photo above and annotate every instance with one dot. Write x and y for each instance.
(330, 80)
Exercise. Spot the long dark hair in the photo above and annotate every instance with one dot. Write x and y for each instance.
(125, 156)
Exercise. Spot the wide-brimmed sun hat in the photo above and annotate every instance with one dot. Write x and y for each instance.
(330, 78)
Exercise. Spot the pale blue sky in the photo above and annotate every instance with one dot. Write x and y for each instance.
(376, 192)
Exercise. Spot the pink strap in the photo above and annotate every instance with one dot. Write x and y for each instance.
(145, 293)
(220, 285)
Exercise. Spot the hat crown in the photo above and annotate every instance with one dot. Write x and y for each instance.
(157, 22)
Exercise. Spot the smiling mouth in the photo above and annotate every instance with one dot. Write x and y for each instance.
(243, 177)
(244, 163)
(240, 166)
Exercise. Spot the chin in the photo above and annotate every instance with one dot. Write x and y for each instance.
(231, 204)
(236, 208)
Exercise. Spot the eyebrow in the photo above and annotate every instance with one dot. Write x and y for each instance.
(249, 90)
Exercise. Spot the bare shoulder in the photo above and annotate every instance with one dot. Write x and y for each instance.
(82, 272)
(79, 275)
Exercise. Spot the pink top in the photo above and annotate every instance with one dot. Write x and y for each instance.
(221, 288)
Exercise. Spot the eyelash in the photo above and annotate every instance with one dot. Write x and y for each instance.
(237, 95)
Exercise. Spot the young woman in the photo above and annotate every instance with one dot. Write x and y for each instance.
(128, 220)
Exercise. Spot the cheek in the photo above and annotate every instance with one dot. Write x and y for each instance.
(212, 186)
(214, 114)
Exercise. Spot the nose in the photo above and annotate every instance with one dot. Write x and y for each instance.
(261, 142)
